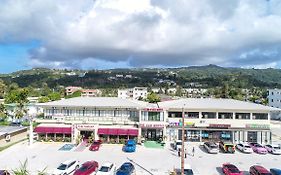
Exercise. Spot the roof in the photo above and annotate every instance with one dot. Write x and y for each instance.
(10, 129)
(214, 104)
(102, 102)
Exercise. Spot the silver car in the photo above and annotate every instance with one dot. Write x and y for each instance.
(211, 147)
(244, 147)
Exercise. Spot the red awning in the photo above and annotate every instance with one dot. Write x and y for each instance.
(112, 131)
(122, 132)
(57, 130)
(133, 132)
(103, 131)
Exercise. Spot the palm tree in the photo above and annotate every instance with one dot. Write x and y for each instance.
(22, 170)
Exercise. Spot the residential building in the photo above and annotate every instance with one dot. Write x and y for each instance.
(71, 89)
(274, 100)
(133, 93)
(116, 118)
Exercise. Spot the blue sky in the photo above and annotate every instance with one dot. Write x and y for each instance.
(131, 33)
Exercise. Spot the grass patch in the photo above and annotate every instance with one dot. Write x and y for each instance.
(7, 146)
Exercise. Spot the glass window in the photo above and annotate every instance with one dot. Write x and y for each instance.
(175, 114)
(225, 115)
(191, 115)
(260, 116)
(208, 115)
(245, 116)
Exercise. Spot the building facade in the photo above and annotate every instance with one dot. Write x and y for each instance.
(133, 93)
(274, 98)
(111, 118)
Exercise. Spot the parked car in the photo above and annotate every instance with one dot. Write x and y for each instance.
(130, 146)
(95, 146)
(227, 147)
(177, 145)
(273, 149)
(211, 147)
(66, 167)
(87, 168)
(107, 169)
(275, 171)
(230, 169)
(244, 147)
(258, 170)
(126, 168)
(4, 172)
(188, 170)
(258, 148)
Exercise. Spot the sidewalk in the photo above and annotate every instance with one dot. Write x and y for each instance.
(14, 139)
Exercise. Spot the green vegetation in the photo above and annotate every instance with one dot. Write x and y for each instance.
(153, 98)
(75, 94)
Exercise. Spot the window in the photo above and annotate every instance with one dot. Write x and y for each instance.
(191, 115)
(260, 116)
(208, 115)
(152, 116)
(272, 93)
(225, 115)
(245, 116)
(175, 114)
(271, 100)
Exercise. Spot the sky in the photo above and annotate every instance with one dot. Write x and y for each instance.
(105, 34)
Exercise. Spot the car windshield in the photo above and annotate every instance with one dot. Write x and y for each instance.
(258, 145)
(266, 174)
(247, 146)
(188, 172)
(62, 167)
(233, 169)
(84, 168)
(96, 143)
(104, 169)
(276, 147)
(179, 143)
(130, 145)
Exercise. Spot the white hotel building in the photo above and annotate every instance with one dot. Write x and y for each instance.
(116, 118)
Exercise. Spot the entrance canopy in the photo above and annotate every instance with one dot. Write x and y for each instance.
(53, 130)
(117, 131)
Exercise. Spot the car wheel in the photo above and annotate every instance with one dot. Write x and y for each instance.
(77, 166)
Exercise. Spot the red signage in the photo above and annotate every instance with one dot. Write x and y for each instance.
(153, 109)
(219, 126)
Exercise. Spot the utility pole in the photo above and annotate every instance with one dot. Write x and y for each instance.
(182, 139)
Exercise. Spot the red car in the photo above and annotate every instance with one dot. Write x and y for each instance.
(95, 146)
(230, 169)
(259, 170)
(87, 168)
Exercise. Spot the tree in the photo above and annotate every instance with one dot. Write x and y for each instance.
(3, 111)
(75, 94)
(54, 96)
(153, 98)
(43, 99)
(179, 91)
(2, 88)
(19, 98)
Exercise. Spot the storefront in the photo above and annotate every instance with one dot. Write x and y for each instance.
(54, 132)
(117, 135)
(152, 132)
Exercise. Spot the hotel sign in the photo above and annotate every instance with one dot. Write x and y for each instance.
(219, 126)
(85, 127)
(152, 125)
(258, 126)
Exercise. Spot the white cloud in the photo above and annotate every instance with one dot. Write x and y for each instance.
(145, 33)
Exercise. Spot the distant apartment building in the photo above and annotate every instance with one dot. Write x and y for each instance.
(84, 92)
(71, 89)
(133, 93)
(274, 98)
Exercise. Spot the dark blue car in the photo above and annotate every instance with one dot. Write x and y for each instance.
(126, 168)
(275, 171)
(130, 146)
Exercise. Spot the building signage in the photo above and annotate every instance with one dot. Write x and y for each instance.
(258, 126)
(153, 109)
(219, 126)
(152, 125)
(179, 124)
(85, 127)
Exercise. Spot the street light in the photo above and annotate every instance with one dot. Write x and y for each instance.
(31, 114)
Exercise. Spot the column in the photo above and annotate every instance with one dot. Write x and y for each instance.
(217, 115)
(200, 115)
(200, 135)
(233, 115)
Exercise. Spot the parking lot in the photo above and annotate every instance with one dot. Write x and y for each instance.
(147, 160)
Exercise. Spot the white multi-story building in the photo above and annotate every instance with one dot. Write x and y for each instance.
(274, 98)
(115, 118)
(133, 93)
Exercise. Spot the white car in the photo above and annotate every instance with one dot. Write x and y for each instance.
(273, 149)
(177, 145)
(107, 169)
(244, 147)
(66, 167)
(187, 170)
